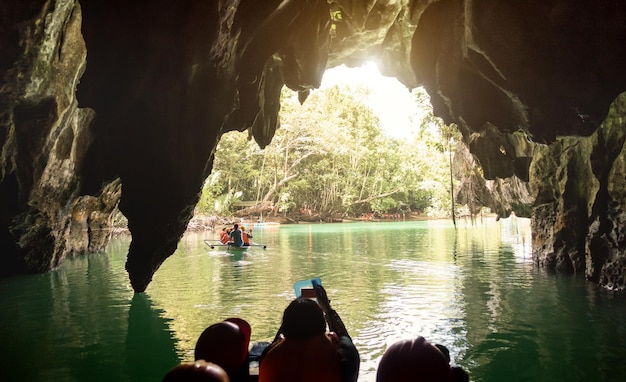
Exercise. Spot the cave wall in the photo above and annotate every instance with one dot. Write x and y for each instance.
(116, 104)
(44, 137)
(579, 210)
(530, 86)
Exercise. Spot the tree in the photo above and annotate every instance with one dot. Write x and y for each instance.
(330, 156)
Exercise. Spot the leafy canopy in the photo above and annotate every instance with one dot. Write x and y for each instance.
(330, 156)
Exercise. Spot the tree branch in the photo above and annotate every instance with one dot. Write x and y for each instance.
(369, 199)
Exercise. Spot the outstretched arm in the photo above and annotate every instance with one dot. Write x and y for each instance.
(350, 359)
(332, 317)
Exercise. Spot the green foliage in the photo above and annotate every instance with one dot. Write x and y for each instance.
(330, 155)
(384, 205)
(222, 205)
(285, 202)
(215, 200)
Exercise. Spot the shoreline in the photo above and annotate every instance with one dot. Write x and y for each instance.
(216, 223)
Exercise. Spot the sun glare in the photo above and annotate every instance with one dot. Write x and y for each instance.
(392, 102)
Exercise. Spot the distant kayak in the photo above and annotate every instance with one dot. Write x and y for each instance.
(266, 225)
(217, 244)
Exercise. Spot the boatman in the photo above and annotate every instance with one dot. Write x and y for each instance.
(235, 236)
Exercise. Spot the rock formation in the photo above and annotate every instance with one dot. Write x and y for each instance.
(120, 104)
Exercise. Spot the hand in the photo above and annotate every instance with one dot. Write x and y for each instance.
(322, 298)
(333, 338)
(332, 318)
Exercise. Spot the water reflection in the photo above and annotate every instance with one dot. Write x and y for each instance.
(473, 288)
(150, 347)
(78, 323)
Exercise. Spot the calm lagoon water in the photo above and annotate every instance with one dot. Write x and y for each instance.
(473, 289)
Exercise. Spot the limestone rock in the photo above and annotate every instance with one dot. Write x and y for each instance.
(578, 184)
(44, 138)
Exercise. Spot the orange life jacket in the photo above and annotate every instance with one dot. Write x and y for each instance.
(246, 239)
(313, 359)
(223, 237)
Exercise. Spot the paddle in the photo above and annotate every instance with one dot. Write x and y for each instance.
(257, 245)
(247, 246)
(208, 242)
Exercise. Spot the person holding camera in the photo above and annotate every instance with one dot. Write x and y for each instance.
(303, 350)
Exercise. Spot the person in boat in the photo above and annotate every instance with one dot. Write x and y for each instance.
(418, 360)
(245, 236)
(200, 371)
(224, 235)
(226, 344)
(235, 236)
(303, 351)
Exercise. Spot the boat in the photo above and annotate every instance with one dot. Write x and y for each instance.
(218, 244)
(265, 225)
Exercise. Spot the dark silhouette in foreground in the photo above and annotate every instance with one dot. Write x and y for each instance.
(418, 360)
(198, 371)
(303, 351)
(226, 344)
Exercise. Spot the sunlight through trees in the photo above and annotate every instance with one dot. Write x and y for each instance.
(330, 157)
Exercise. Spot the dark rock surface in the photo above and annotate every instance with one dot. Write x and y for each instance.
(119, 104)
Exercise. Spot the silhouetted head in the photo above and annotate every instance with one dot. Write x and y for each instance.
(236, 226)
(223, 343)
(417, 360)
(245, 328)
(303, 318)
(198, 371)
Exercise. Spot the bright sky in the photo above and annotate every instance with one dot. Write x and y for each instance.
(390, 100)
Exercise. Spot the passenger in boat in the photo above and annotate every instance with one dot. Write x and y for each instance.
(224, 235)
(235, 236)
(303, 351)
(246, 329)
(198, 371)
(226, 344)
(418, 360)
(245, 236)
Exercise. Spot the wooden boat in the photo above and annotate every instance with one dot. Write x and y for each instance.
(217, 244)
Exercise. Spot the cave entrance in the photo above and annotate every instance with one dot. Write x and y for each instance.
(362, 147)
(398, 109)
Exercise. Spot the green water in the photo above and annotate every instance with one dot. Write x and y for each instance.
(473, 289)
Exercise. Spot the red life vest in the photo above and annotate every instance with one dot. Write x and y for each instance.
(223, 237)
(313, 359)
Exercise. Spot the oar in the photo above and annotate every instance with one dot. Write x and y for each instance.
(207, 242)
(250, 245)
(258, 245)
(218, 244)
